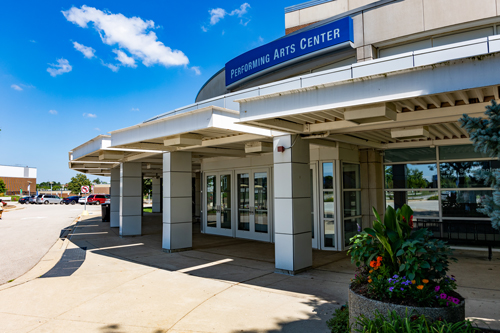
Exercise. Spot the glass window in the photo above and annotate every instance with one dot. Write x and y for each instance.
(243, 183)
(260, 201)
(350, 175)
(401, 176)
(459, 152)
(463, 203)
(328, 205)
(352, 203)
(328, 176)
(329, 233)
(462, 174)
(410, 154)
(351, 228)
(424, 203)
(225, 201)
(211, 202)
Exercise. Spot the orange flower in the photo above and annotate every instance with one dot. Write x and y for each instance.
(371, 271)
(370, 281)
(373, 263)
(420, 287)
(425, 281)
(413, 281)
(379, 259)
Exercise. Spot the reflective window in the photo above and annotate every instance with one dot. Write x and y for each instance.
(328, 205)
(329, 233)
(225, 201)
(459, 152)
(350, 176)
(401, 176)
(211, 202)
(328, 176)
(243, 189)
(352, 203)
(463, 203)
(260, 201)
(462, 174)
(410, 154)
(424, 203)
(351, 228)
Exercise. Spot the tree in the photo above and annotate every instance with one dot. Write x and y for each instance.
(485, 136)
(97, 181)
(77, 182)
(147, 186)
(3, 187)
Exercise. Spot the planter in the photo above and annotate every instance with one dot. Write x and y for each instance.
(360, 305)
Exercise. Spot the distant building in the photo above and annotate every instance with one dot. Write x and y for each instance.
(17, 178)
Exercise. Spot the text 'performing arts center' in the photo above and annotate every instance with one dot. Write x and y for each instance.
(294, 142)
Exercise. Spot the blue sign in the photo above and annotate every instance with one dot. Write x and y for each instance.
(289, 48)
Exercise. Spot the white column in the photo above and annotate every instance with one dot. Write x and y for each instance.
(177, 202)
(130, 199)
(115, 198)
(292, 205)
(156, 195)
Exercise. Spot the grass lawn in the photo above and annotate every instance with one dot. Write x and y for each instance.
(147, 210)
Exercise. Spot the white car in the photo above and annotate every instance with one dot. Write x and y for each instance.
(82, 200)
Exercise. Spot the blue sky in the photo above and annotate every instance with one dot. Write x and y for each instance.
(70, 71)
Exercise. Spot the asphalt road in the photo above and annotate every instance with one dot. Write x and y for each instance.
(27, 234)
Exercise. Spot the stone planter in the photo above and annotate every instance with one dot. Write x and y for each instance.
(360, 305)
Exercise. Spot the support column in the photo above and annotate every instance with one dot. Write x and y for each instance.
(156, 195)
(372, 185)
(292, 205)
(130, 199)
(115, 198)
(177, 202)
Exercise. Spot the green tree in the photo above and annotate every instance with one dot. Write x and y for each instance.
(416, 179)
(147, 186)
(77, 182)
(97, 181)
(485, 136)
(3, 187)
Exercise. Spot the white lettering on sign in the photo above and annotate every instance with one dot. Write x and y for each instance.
(319, 39)
(251, 65)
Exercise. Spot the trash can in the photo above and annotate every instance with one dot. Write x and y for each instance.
(105, 212)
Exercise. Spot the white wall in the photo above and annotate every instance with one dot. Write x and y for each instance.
(17, 172)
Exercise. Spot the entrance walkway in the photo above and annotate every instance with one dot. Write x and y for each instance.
(222, 285)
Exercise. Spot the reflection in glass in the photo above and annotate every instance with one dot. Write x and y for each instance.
(211, 202)
(329, 233)
(328, 204)
(243, 202)
(423, 203)
(350, 176)
(328, 176)
(225, 201)
(260, 201)
(462, 174)
(409, 175)
(351, 228)
(463, 203)
(459, 152)
(352, 203)
(410, 154)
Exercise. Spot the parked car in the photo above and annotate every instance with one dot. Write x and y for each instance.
(96, 199)
(3, 203)
(71, 200)
(24, 200)
(32, 199)
(82, 200)
(48, 198)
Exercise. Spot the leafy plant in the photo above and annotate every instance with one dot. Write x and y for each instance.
(77, 182)
(393, 323)
(3, 187)
(339, 323)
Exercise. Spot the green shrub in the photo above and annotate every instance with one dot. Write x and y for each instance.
(434, 197)
(393, 323)
(339, 323)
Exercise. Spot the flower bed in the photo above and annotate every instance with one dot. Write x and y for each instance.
(399, 267)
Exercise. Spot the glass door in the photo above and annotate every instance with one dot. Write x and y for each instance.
(218, 199)
(314, 205)
(253, 215)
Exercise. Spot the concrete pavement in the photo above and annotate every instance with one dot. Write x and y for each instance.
(27, 234)
(223, 285)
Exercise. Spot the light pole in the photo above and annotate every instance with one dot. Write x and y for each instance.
(51, 186)
(29, 188)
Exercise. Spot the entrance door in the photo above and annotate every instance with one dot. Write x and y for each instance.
(253, 217)
(218, 199)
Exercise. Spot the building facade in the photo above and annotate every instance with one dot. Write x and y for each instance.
(18, 179)
(355, 107)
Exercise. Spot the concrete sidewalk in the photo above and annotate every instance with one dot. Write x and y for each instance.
(222, 285)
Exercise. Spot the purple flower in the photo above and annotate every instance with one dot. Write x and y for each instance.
(443, 296)
(395, 276)
(455, 300)
(359, 227)
(391, 289)
(402, 289)
(437, 288)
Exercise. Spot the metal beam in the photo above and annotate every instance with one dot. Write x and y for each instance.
(463, 95)
(420, 102)
(282, 125)
(450, 99)
(435, 101)
(479, 94)
(355, 141)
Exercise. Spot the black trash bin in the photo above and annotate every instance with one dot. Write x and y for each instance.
(105, 212)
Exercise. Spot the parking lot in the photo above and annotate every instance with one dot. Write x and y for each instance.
(26, 234)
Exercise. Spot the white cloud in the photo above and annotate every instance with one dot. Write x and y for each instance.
(16, 87)
(54, 112)
(97, 129)
(218, 14)
(196, 70)
(61, 67)
(32, 41)
(132, 34)
(87, 51)
(124, 58)
(261, 40)
(134, 109)
(90, 115)
(114, 68)
(204, 28)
